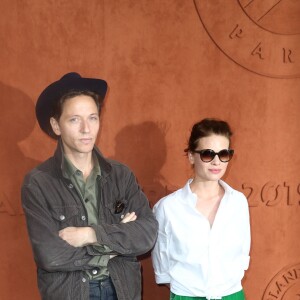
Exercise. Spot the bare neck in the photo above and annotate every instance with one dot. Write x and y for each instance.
(205, 189)
(83, 162)
(209, 195)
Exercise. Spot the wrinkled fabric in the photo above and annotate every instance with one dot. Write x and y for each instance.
(51, 203)
(198, 259)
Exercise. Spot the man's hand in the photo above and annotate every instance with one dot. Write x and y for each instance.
(129, 217)
(82, 236)
(78, 236)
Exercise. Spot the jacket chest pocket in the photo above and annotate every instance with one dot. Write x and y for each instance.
(113, 205)
(67, 215)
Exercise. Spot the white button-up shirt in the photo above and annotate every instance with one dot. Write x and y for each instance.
(195, 258)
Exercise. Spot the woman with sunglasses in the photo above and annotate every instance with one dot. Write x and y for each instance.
(202, 250)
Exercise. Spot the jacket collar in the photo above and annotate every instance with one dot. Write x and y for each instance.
(105, 166)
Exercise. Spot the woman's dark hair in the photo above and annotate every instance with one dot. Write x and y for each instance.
(205, 128)
(58, 107)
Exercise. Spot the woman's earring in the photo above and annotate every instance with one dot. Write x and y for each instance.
(191, 158)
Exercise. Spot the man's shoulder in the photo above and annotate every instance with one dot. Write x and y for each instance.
(118, 166)
(40, 171)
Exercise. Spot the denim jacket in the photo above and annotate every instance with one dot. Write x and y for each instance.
(51, 203)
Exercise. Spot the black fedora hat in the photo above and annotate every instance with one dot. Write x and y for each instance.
(52, 93)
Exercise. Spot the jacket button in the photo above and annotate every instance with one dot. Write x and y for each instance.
(70, 186)
(83, 218)
(62, 217)
(83, 280)
(95, 272)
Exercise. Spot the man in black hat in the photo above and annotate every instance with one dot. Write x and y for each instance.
(87, 218)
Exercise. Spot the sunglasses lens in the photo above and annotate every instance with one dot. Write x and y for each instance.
(225, 155)
(207, 155)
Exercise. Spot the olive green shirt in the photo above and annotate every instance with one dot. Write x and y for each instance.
(88, 191)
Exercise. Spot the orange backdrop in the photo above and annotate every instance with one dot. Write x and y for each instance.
(168, 65)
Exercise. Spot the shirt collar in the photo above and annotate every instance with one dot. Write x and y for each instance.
(68, 169)
(105, 165)
(187, 195)
(226, 187)
(190, 198)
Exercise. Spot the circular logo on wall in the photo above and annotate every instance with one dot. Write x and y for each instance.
(285, 285)
(261, 36)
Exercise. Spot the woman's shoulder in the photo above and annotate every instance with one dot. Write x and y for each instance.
(233, 194)
(169, 199)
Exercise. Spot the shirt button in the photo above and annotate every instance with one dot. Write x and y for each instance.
(95, 272)
(83, 218)
(70, 186)
(62, 217)
(83, 280)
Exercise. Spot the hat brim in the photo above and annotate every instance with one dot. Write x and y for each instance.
(51, 95)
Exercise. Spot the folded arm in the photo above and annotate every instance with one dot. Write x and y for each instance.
(83, 236)
(131, 238)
